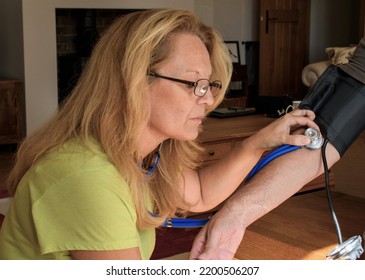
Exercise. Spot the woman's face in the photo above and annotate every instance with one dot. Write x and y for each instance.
(175, 111)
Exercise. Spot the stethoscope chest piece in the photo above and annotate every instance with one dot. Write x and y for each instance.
(350, 249)
(316, 138)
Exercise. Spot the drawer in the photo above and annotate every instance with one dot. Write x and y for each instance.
(216, 151)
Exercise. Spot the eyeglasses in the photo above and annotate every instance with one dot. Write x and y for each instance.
(201, 86)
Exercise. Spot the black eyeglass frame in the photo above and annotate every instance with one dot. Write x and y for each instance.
(217, 84)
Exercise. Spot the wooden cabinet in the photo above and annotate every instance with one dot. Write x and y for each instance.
(220, 135)
(12, 111)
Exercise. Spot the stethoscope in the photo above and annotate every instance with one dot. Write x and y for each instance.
(350, 249)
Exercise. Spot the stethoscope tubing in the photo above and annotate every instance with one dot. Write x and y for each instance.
(270, 157)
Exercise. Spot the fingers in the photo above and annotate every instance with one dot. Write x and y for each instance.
(300, 117)
(297, 140)
(303, 113)
(302, 121)
(198, 245)
(217, 240)
(208, 246)
(216, 254)
(280, 132)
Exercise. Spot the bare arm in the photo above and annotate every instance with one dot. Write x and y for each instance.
(275, 183)
(211, 185)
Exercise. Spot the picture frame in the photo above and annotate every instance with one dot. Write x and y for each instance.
(234, 51)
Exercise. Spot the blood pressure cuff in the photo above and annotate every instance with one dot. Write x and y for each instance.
(338, 101)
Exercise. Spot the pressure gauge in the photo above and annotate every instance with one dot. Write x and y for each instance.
(350, 249)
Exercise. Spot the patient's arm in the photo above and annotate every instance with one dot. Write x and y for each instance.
(275, 183)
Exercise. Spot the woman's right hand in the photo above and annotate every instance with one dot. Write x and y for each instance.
(289, 129)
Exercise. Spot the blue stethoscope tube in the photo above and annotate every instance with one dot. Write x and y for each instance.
(184, 223)
(269, 157)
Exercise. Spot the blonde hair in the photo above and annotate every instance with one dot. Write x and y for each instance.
(108, 105)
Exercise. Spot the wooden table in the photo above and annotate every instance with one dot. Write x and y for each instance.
(302, 228)
(232, 129)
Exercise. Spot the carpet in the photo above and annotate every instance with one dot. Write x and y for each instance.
(173, 241)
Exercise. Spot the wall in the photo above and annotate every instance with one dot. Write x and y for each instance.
(334, 23)
(238, 20)
(28, 48)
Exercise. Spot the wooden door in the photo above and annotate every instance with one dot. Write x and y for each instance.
(284, 44)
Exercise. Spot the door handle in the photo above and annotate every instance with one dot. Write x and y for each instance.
(268, 19)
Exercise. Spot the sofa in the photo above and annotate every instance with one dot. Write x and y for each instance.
(336, 55)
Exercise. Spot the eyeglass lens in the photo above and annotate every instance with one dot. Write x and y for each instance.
(203, 86)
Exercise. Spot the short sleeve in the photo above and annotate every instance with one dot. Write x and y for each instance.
(86, 211)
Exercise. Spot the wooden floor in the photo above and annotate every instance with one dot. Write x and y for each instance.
(302, 228)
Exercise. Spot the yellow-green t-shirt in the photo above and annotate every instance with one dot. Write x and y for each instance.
(72, 199)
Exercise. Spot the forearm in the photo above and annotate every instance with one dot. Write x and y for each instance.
(275, 183)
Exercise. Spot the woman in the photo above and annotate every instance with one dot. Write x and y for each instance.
(121, 154)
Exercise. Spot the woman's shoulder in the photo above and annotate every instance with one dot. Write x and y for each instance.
(74, 159)
(77, 167)
(75, 155)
